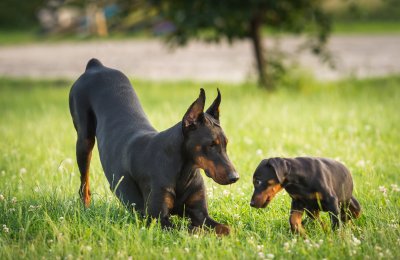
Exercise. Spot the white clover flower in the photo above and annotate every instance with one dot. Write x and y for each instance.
(259, 152)
(356, 241)
(14, 200)
(270, 256)
(395, 187)
(383, 190)
(260, 247)
(61, 218)
(166, 250)
(226, 192)
(6, 229)
(1, 197)
(68, 161)
(88, 248)
(361, 163)
(286, 245)
(261, 255)
(22, 171)
(187, 250)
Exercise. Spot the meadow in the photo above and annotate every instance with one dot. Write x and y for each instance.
(354, 121)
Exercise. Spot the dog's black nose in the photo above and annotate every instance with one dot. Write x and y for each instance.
(233, 179)
(252, 203)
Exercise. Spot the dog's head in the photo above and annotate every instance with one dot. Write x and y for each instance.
(205, 142)
(267, 181)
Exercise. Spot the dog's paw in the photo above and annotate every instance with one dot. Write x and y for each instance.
(222, 230)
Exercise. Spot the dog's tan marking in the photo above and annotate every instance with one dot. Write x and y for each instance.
(268, 194)
(85, 184)
(195, 197)
(295, 222)
(222, 230)
(197, 148)
(169, 201)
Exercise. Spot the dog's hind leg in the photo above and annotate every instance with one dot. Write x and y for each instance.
(85, 125)
(84, 147)
(354, 207)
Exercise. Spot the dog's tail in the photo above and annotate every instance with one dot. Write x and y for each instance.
(354, 207)
(93, 63)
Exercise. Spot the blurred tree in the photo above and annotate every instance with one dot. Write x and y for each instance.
(19, 14)
(213, 21)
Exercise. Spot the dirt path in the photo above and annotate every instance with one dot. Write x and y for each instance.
(360, 56)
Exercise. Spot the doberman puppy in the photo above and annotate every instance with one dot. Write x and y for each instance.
(314, 184)
(157, 173)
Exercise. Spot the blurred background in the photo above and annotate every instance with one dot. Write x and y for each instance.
(267, 42)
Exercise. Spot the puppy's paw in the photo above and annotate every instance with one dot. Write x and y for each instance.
(222, 230)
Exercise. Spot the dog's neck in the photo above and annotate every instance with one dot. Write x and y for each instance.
(174, 146)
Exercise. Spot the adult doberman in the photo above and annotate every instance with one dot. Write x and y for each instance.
(157, 173)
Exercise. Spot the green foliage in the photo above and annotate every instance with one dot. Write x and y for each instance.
(19, 14)
(216, 20)
(354, 121)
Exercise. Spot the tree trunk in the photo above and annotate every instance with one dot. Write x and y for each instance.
(255, 36)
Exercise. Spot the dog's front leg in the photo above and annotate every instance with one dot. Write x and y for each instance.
(196, 207)
(160, 203)
(296, 214)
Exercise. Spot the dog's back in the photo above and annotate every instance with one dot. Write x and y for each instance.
(324, 174)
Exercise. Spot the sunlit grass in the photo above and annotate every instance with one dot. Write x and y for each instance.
(356, 122)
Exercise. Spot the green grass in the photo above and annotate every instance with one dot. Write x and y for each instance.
(366, 27)
(355, 121)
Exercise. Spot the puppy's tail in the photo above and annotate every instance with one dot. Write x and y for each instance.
(92, 63)
(354, 207)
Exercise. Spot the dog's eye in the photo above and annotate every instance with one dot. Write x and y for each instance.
(257, 182)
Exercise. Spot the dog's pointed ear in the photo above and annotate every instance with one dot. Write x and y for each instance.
(213, 110)
(194, 115)
(281, 167)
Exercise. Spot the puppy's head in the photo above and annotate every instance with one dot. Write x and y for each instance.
(267, 181)
(205, 142)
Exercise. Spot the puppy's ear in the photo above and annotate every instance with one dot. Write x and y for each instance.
(194, 115)
(281, 167)
(213, 110)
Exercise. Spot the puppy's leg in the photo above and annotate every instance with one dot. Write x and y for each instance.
(296, 214)
(332, 206)
(354, 207)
